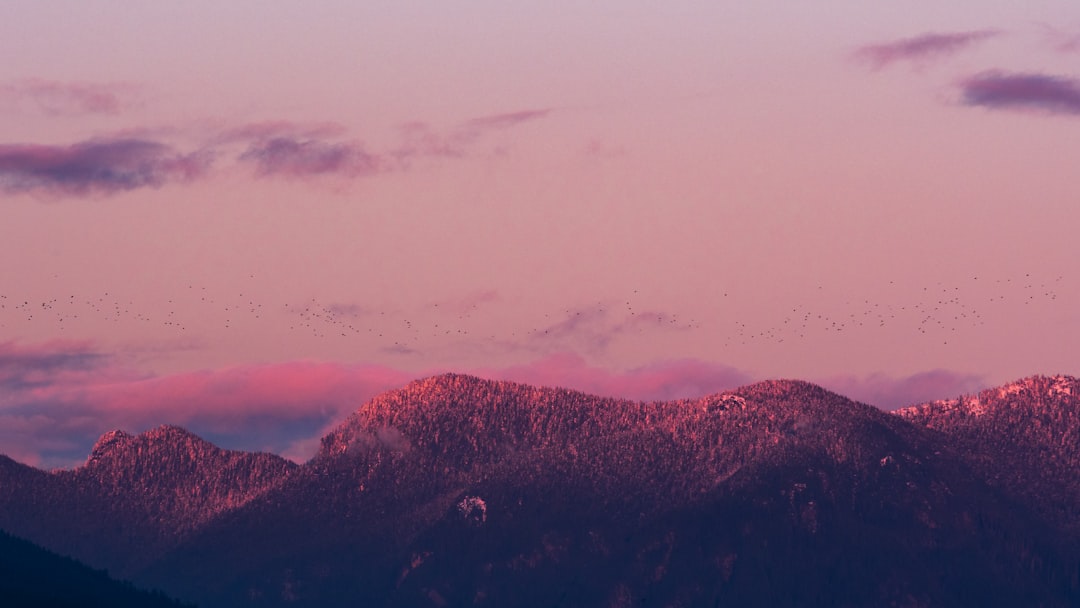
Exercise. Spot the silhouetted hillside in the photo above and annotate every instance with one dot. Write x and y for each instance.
(31, 577)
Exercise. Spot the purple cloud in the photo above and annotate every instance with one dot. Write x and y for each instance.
(25, 368)
(921, 48)
(1023, 91)
(295, 157)
(96, 166)
(68, 98)
(891, 393)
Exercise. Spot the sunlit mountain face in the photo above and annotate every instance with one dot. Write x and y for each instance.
(456, 490)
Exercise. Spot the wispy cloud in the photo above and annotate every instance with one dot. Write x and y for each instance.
(922, 48)
(55, 98)
(469, 303)
(1060, 40)
(269, 129)
(1022, 91)
(499, 122)
(594, 329)
(96, 166)
(419, 139)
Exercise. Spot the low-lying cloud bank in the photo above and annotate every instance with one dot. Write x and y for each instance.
(57, 398)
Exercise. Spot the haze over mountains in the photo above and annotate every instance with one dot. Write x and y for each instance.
(455, 490)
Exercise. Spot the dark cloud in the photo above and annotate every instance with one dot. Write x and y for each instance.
(921, 48)
(294, 157)
(1022, 91)
(97, 166)
(67, 98)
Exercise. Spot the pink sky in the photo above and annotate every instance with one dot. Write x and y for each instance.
(630, 199)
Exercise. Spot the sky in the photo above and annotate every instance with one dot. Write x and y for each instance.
(248, 218)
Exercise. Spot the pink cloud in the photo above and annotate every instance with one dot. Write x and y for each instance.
(96, 166)
(890, 393)
(57, 398)
(1023, 91)
(922, 48)
(68, 98)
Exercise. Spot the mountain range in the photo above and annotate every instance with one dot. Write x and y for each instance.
(459, 491)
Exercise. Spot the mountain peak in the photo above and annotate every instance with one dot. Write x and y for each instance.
(107, 444)
(1050, 386)
(112, 443)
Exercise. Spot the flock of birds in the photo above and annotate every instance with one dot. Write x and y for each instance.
(936, 312)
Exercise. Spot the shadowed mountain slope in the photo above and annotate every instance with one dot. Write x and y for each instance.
(31, 577)
(135, 497)
(1023, 437)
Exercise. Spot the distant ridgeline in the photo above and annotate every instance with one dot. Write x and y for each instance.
(458, 491)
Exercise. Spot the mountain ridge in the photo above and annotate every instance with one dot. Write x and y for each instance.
(469, 490)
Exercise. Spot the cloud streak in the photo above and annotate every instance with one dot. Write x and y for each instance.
(54, 98)
(419, 139)
(1022, 91)
(594, 329)
(96, 166)
(922, 48)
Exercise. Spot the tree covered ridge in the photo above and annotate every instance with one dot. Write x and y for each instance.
(1023, 436)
